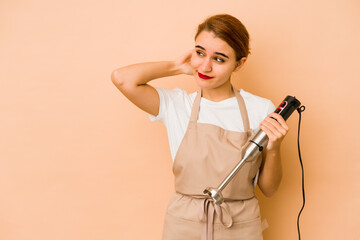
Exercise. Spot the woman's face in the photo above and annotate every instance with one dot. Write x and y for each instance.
(213, 61)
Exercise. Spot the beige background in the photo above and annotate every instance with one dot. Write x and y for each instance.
(79, 161)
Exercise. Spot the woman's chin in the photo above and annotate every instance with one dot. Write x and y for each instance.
(203, 83)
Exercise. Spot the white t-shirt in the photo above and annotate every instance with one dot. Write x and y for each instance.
(175, 110)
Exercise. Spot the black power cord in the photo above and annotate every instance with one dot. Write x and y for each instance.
(300, 110)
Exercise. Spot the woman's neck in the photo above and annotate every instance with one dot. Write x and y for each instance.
(218, 94)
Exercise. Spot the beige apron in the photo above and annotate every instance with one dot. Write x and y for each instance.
(205, 157)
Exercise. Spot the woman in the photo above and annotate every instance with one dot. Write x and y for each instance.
(207, 130)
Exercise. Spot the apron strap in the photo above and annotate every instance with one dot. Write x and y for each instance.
(243, 111)
(196, 107)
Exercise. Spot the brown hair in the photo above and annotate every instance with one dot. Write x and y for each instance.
(229, 29)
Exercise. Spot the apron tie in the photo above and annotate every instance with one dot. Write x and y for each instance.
(207, 213)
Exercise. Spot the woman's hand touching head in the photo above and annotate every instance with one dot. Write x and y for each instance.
(183, 63)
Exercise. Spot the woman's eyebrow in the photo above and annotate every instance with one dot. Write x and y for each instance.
(218, 53)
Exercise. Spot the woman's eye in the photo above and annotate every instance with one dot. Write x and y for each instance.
(200, 53)
(219, 59)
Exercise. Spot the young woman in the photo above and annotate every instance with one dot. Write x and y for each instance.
(207, 132)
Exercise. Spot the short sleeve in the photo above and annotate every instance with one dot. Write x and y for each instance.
(160, 115)
(270, 108)
(167, 98)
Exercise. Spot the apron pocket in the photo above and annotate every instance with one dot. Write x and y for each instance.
(245, 230)
(176, 228)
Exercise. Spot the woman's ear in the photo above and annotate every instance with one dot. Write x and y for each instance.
(240, 63)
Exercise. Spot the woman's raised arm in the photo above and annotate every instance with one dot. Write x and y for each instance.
(132, 80)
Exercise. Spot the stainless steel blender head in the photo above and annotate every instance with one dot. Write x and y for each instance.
(252, 150)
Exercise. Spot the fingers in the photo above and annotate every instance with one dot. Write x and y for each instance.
(274, 126)
(279, 119)
(270, 130)
(183, 63)
(277, 122)
(186, 57)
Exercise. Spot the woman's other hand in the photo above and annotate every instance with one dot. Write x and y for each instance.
(275, 128)
(183, 63)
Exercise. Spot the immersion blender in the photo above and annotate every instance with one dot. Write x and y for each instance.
(253, 148)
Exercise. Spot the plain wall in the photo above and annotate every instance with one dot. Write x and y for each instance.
(79, 161)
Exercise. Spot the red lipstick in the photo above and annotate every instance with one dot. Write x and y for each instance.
(204, 76)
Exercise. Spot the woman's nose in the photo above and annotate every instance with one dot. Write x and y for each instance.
(206, 65)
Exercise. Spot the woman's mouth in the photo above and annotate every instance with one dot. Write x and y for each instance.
(204, 76)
